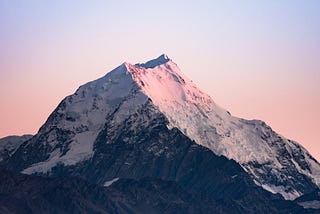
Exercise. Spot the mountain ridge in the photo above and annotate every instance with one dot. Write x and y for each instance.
(184, 104)
(71, 132)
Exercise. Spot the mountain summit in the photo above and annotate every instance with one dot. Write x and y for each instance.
(128, 105)
(162, 59)
(274, 162)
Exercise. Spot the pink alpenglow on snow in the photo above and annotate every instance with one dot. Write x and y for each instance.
(200, 118)
(254, 145)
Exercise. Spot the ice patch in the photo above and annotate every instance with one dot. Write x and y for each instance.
(310, 204)
(281, 190)
(109, 183)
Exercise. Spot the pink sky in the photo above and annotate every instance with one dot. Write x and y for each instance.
(258, 60)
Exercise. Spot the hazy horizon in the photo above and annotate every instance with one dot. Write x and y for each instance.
(259, 60)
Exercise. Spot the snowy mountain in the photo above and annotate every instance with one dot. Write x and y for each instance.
(119, 126)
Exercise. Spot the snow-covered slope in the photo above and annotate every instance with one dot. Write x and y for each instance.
(272, 160)
(69, 135)
(82, 116)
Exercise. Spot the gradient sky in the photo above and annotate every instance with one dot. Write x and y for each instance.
(258, 59)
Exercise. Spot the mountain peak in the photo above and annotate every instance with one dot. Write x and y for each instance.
(162, 59)
(80, 120)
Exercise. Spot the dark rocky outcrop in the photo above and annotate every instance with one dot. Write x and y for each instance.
(9, 145)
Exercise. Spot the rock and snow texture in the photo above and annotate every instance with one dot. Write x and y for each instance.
(82, 116)
(310, 204)
(8, 145)
(273, 161)
(277, 164)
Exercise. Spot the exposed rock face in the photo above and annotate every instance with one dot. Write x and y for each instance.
(31, 194)
(9, 145)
